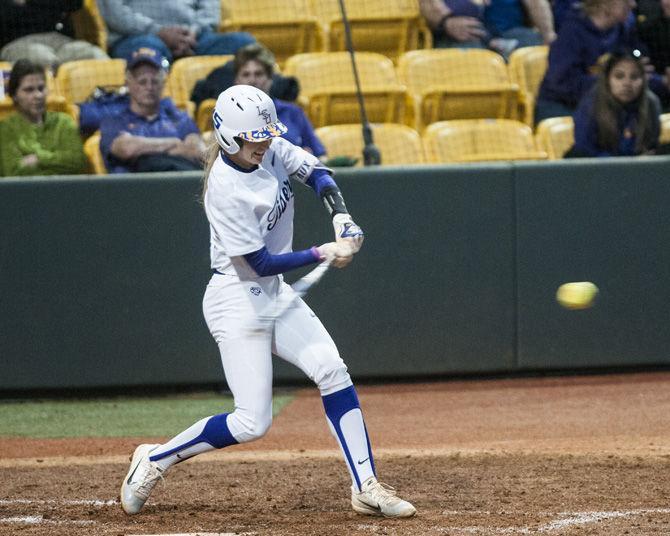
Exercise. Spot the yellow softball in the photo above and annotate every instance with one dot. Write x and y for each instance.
(577, 295)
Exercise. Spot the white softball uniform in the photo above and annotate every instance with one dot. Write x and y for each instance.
(246, 212)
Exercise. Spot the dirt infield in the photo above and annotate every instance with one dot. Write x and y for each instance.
(558, 456)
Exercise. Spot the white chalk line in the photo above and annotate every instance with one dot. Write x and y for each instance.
(59, 502)
(39, 520)
(568, 519)
(54, 503)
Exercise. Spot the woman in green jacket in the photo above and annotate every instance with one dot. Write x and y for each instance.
(34, 141)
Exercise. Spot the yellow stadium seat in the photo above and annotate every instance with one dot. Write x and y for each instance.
(184, 74)
(89, 25)
(555, 136)
(480, 140)
(329, 91)
(398, 144)
(92, 151)
(286, 27)
(457, 84)
(387, 27)
(5, 68)
(665, 128)
(527, 66)
(203, 117)
(76, 80)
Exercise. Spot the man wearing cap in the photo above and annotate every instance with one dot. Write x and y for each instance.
(150, 134)
(175, 28)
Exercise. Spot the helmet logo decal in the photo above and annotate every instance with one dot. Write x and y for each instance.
(264, 114)
(217, 120)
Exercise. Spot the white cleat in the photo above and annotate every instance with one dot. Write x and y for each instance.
(140, 480)
(377, 499)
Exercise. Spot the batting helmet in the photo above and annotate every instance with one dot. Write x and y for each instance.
(247, 113)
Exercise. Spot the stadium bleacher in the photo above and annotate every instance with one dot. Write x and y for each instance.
(415, 97)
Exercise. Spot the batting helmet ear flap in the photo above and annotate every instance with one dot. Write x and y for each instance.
(226, 140)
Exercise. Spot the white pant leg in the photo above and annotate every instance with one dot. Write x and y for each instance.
(231, 307)
(301, 339)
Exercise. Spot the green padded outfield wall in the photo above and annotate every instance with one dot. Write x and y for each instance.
(604, 221)
(101, 279)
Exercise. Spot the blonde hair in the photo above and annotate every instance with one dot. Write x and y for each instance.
(210, 156)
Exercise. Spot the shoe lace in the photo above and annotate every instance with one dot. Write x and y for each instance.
(149, 475)
(383, 493)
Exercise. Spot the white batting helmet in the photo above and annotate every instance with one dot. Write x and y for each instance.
(245, 112)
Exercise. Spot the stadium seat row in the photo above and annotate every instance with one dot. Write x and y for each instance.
(424, 87)
(458, 141)
(289, 27)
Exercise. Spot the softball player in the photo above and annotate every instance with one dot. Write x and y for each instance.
(249, 204)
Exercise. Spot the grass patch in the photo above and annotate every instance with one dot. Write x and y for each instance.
(113, 417)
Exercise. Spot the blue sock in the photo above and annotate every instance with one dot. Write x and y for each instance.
(346, 422)
(207, 434)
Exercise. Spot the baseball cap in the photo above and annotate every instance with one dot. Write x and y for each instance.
(147, 55)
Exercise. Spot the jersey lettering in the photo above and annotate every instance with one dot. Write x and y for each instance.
(284, 195)
(303, 172)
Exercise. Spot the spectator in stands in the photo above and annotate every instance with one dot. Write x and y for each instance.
(40, 31)
(507, 19)
(619, 116)
(654, 30)
(34, 141)
(585, 35)
(172, 27)
(494, 24)
(561, 9)
(150, 134)
(254, 66)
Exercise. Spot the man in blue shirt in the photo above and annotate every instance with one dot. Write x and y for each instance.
(149, 134)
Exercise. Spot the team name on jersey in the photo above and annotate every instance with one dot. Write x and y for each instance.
(302, 173)
(284, 195)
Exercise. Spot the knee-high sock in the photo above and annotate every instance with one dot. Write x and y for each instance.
(207, 434)
(345, 420)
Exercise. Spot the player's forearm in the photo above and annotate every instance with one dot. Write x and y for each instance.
(265, 264)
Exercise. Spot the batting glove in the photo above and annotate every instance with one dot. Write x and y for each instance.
(338, 254)
(347, 232)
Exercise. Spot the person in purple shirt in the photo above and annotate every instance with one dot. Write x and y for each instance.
(149, 134)
(507, 19)
(495, 24)
(254, 66)
(585, 36)
(619, 116)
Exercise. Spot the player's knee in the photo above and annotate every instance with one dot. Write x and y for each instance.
(333, 378)
(252, 426)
